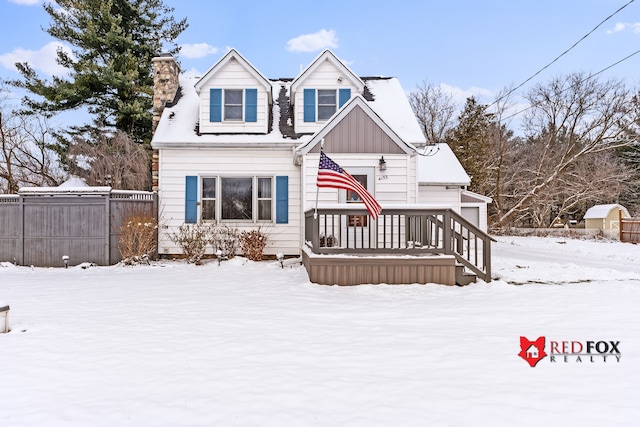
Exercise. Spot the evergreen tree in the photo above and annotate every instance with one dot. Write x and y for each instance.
(110, 68)
(470, 140)
(630, 155)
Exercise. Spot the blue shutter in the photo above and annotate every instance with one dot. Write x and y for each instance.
(191, 200)
(343, 96)
(251, 105)
(282, 199)
(309, 105)
(215, 105)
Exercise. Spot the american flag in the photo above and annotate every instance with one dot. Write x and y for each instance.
(331, 175)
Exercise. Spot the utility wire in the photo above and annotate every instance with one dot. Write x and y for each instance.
(570, 87)
(561, 55)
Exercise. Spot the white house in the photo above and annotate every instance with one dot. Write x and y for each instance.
(238, 148)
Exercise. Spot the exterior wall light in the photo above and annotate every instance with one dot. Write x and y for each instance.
(383, 164)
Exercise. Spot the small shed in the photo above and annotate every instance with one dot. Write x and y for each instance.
(605, 218)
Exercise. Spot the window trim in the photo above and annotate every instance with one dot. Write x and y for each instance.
(225, 105)
(254, 199)
(318, 105)
(202, 198)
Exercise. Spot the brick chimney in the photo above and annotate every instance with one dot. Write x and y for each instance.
(165, 87)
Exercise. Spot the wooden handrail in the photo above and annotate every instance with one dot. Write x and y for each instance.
(403, 230)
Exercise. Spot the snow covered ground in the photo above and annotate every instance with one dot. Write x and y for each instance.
(251, 344)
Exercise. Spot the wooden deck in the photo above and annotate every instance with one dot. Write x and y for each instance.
(351, 270)
(344, 246)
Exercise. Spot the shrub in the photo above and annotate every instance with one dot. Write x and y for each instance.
(225, 240)
(253, 243)
(328, 242)
(193, 239)
(137, 239)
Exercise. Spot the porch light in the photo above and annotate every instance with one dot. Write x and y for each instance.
(382, 163)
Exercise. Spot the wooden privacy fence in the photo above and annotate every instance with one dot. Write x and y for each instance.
(629, 229)
(40, 226)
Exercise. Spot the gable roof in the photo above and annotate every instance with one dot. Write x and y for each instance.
(179, 126)
(327, 55)
(234, 55)
(603, 211)
(440, 166)
(356, 101)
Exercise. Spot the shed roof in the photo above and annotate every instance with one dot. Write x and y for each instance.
(603, 211)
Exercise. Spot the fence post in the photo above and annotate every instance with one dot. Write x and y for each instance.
(20, 242)
(107, 246)
(620, 226)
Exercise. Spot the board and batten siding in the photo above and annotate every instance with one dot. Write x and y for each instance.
(177, 164)
(325, 76)
(234, 76)
(395, 185)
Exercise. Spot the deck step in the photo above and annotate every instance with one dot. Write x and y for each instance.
(464, 277)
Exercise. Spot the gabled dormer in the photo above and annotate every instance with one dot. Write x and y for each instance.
(321, 90)
(234, 97)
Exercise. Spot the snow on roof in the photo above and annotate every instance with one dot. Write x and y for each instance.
(602, 211)
(178, 122)
(441, 167)
(72, 185)
(74, 181)
(391, 104)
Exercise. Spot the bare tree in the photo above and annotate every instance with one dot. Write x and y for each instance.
(113, 160)
(434, 110)
(26, 157)
(571, 118)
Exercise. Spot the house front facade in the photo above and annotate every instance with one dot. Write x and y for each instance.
(236, 148)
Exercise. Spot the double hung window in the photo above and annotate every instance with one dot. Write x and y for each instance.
(326, 104)
(233, 105)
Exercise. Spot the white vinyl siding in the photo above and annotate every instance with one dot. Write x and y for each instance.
(440, 196)
(202, 162)
(325, 76)
(233, 76)
(395, 185)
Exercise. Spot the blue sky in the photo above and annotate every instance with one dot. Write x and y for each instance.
(467, 46)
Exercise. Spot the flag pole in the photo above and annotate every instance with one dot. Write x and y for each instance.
(315, 212)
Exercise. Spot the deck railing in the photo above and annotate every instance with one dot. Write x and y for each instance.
(407, 230)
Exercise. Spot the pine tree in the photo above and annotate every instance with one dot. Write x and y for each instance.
(110, 68)
(470, 141)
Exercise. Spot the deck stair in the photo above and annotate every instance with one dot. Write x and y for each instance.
(463, 276)
(344, 245)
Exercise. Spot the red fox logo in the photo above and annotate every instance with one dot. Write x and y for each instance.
(532, 351)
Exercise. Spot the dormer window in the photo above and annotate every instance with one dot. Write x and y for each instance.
(326, 104)
(320, 104)
(233, 104)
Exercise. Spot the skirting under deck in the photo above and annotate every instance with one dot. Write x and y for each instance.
(356, 270)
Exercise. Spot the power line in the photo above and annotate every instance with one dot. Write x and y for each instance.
(570, 87)
(561, 55)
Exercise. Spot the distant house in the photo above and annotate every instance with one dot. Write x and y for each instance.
(605, 218)
(234, 147)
